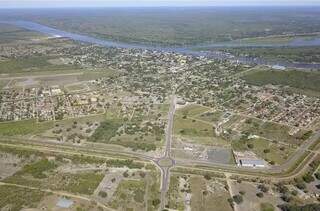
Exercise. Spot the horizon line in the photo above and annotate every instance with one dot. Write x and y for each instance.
(163, 6)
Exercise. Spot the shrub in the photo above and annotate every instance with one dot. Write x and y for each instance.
(102, 194)
(237, 199)
(260, 194)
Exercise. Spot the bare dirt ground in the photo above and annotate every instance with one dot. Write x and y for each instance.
(49, 203)
(250, 201)
(109, 184)
(10, 164)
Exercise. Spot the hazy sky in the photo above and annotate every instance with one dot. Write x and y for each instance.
(126, 3)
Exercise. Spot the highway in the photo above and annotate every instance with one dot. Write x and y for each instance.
(166, 162)
(293, 167)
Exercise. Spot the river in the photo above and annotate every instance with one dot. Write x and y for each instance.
(183, 50)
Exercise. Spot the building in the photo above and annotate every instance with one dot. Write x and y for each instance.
(249, 159)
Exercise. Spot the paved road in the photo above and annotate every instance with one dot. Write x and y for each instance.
(165, 163)
(170, 126)
(40, 76)
(169, 162)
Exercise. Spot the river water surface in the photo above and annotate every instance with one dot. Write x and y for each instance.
(184, 50)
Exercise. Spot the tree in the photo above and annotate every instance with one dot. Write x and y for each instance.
(237, 199)
(263, 188)
(156, 202)
(207, 176)
(260, 194)
(266, 150)
(308, 178)
(103, 194)
(250, 146)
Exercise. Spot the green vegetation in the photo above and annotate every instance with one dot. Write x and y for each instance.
(27, 127)
(188, 127)
(173, 194)
(213, 117)
(40, 174)
(20, 152)
(83, 183)
(179, 26)
(94, 74)
(124, 163)
(32, 64)
(105, 131)
(301, 54)
(308, 207)
(266, 207)
(192, 110)
(153, 192)
(17, 198)
(198, 172)
(292, 78)
(203, 199)
(269, 130)
(38, 168)
(269, 151)
(10, 33)
(129, 191)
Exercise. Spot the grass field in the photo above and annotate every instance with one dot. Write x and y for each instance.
(105, 131)
(31, 64)
(10, 33)
(42, 173)
(173, 195)
(83, 183)
(202, 199)
(16, 198)
(213, 117)
(196, 130)
(270, 130)
(27, 127)
(292, 78)
(129, 195)
(301, 54)
(192, 110)
(278, 153)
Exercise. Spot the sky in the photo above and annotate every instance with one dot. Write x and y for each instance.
(141, 3)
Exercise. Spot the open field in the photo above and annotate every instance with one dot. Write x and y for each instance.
(271, 131)
(10, 33)
(301, 54)
(33, 64)
(16, 198)
(277, 154)
(28, 127)
(295, 79)
(192, 110)
(195, 131)
(197, 193)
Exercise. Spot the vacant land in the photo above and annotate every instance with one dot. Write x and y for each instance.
(208, 195)
(292, 78)
(105, 131)
(275, 154)
(301, 54)
(10, 33)
(42, 173)
(28, 127)
(31, 64)
(129, 194)
(15, 198)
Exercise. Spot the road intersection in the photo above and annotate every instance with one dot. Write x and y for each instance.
(294, 166)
